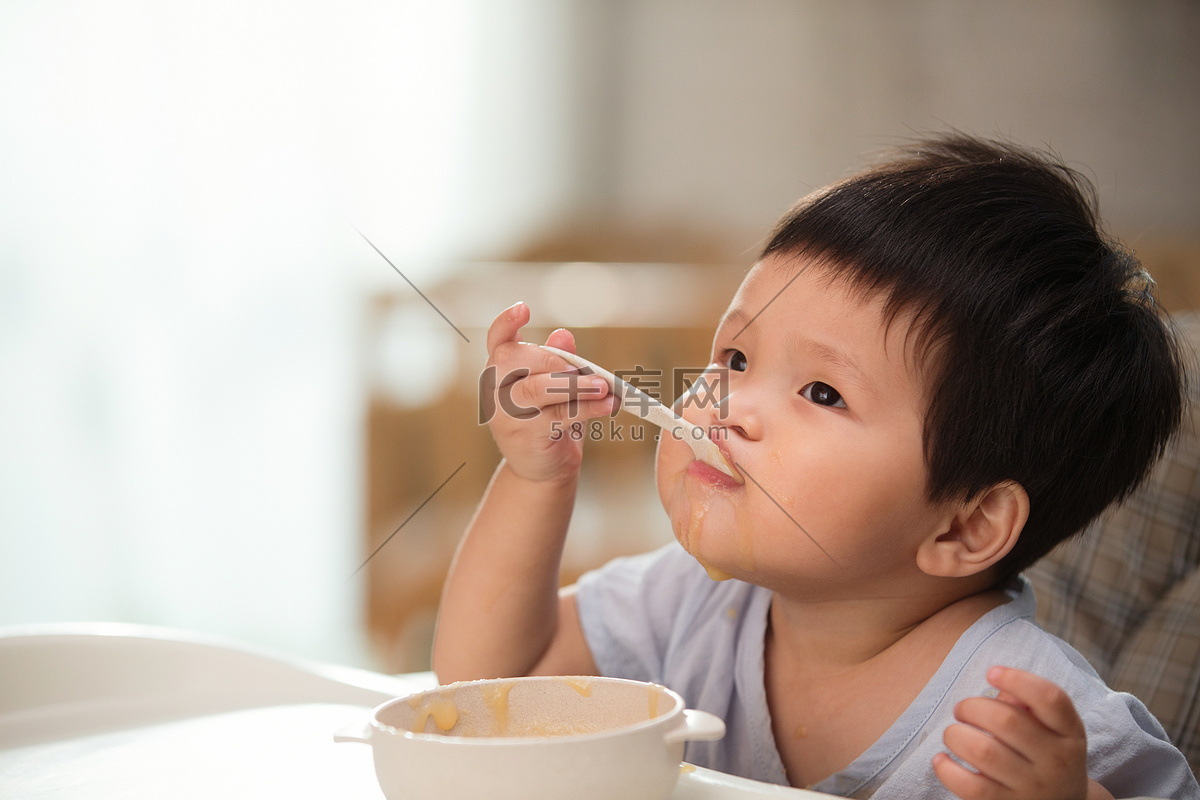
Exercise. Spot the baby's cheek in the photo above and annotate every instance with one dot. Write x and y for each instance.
(673, 494)
(660, 473)
(669, 466)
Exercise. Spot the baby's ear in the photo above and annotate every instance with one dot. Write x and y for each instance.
(982, 531)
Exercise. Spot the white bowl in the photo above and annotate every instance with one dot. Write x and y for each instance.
(532, 738)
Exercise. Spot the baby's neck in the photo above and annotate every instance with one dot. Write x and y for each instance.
(834, 635)
(839, 674)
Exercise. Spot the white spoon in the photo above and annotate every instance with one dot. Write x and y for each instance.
(642, 405)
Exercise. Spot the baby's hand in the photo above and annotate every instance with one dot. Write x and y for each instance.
(534, 402)
(1027, 743)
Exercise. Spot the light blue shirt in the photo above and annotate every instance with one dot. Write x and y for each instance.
(658, 617)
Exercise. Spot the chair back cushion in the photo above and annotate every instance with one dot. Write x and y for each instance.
(1126, 593)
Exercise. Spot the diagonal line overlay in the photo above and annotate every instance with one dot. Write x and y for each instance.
(413, 285)
(761, 310)
(410, 516)
(742, 470)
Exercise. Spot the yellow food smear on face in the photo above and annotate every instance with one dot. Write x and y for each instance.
(716, 573)
(780, 497)
(800, 732)
(581, 685)
(443, 711)
(698, 508)
(495, 697)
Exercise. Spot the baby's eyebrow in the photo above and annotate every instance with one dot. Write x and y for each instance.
(735, 318)
(801, 346)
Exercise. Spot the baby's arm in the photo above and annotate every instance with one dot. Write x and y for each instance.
(501, 613)
(1028, 742)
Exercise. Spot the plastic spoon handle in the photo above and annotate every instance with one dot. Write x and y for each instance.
(640, 404)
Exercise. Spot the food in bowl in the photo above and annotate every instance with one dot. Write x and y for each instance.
(530, 738)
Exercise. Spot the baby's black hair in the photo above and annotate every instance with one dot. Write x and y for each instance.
(1049, 362)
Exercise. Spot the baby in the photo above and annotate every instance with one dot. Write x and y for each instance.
(938, 370)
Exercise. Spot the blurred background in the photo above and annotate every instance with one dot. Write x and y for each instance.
(217, 400)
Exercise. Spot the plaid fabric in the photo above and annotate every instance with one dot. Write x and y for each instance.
(1126, 593)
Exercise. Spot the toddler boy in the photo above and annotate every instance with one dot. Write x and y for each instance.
(938, 370)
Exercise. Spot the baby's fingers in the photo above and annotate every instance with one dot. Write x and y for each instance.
(561, 394)
(1006, 724)
(991, 757)
(563, 339)
(506, 327)
(1048, 703)
(964, 783)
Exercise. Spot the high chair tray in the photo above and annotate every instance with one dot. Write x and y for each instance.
(136, 712)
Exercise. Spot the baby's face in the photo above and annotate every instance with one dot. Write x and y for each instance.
(823, 417)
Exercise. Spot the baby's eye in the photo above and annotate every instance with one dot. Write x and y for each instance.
(823, 395)
(735, 360)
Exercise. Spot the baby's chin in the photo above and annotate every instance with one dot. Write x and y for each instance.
(687, 533)
(714, 572)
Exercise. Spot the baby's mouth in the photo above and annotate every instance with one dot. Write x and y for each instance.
(722, 444)
(713, 476)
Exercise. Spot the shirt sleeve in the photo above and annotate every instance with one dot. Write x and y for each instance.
(1128, 752)
(628, 608)
(1131, 751)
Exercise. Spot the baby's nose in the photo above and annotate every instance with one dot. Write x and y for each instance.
(736, 416)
